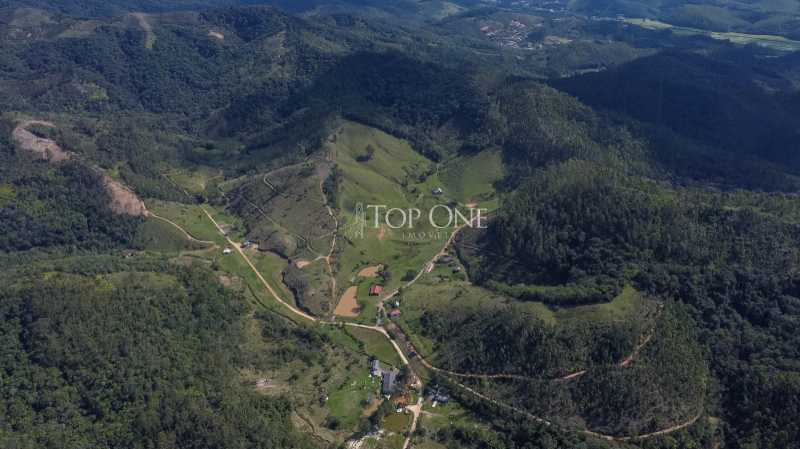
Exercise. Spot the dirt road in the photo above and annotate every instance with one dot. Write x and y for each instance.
(313, 319)
(416, 410)
(261, 279)
(184, 231)
(144, 24)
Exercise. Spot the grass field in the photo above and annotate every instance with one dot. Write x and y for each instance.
(341, 376)
(376, 345)
(192, 181)
(160, 236)
(397, 422)
(472, 178)
(436, 418)
(368, 304)
(627, 304)
(347, 403)
(393, 441)
(196, 223)
(444, 415)
(396, 176)
(189, 217)
(271, 266)
(154, 280)
(441, 297)
(764, 40)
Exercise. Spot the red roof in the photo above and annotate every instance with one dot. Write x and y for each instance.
(375, 290)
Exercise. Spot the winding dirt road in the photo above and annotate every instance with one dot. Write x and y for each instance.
(545, 422)
(417, 409)
(184, 231)
(261, 279)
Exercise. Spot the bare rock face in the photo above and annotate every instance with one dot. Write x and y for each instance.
(123, 200)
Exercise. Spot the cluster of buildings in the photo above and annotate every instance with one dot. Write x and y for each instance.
(450, 261)
(389, 383)
(513, 35)
(438, 396)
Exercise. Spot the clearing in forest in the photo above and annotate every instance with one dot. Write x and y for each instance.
(47, 149)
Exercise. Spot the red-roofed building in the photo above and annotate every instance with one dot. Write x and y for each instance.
(375, 290)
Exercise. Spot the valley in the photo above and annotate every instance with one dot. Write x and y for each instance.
(397, 340)
(413, 224)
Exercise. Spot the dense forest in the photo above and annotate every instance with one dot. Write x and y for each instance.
(62, 206)
(731, 258)
(715, 101)
(129, 359)
(511, 341)
(666, 385)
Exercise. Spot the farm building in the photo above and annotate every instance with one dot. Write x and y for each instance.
(395, 313)
(375, 290)
(441, 398)
(445, 259)
(389, 382)
(375, 369)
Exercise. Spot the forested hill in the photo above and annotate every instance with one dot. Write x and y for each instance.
(577, 232)
(154, 63)
(139, 359)
(99, 8)
(717, 100)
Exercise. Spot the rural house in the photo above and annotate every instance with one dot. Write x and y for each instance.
(375, 290)
(375, 369)
(389, 382)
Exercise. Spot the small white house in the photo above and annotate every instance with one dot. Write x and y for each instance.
(226, 251)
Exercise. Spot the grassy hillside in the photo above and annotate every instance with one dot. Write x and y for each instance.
(474, 178)
(393, 175)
